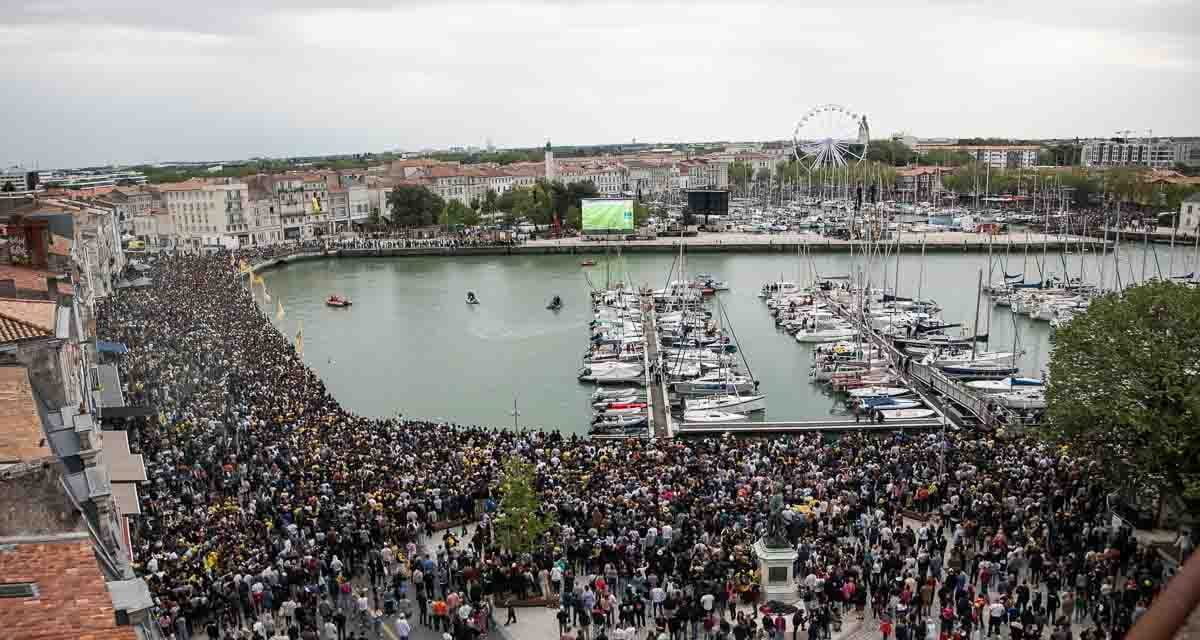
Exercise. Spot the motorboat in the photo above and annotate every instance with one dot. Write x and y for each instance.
(879, 392)
(712, 416)
(471, 299)
(604, 394)
(587, 263)
(623, 422)
(740, 404)
(1006, 384)
(337, 301)
(555, 304)
(612, 373)
(1032, 398)
(826, 335)
(887, 402)
(628, 410)
(905, 414)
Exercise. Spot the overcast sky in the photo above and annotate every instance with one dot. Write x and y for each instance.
(94, 81)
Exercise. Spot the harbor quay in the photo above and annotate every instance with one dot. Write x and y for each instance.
(942, 242)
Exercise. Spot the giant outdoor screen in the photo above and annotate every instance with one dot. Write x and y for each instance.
(603, 214)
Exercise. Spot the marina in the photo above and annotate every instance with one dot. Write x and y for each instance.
(469, 362)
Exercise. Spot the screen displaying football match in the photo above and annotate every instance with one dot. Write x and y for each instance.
(602, 214)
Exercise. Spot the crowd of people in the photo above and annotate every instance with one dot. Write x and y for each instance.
(274, 512)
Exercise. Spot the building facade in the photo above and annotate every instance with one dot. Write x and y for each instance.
(1161, 154)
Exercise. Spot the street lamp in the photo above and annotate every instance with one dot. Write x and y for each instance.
(515, 413)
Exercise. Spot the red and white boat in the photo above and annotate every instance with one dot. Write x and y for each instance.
(338, 301)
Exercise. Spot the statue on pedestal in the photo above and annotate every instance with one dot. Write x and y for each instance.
(776, 534)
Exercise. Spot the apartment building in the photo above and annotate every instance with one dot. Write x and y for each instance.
(1162, 154)
(207, 214)
(999, 156)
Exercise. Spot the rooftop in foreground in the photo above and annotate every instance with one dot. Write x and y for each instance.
(67, 599)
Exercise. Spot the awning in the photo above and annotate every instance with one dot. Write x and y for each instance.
(107, 346)
(125, 494)
(123, 466)
(110, 394)
(139, 282)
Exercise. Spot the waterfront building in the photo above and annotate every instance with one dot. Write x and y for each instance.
(998, 156)
(1160, 154)
(90, 180)
(207, 214)
(17, 180)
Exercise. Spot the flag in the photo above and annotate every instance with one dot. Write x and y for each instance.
(279, 314)
(300, 338)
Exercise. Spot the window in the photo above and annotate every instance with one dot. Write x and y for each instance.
(18, 590)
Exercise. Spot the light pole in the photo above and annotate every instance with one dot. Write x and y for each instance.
(514, 413)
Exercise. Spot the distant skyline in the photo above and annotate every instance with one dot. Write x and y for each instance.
(125, 81)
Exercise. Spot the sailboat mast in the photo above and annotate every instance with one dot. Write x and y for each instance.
(975, 325)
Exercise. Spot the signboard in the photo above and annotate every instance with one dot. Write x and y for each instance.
(606, 214)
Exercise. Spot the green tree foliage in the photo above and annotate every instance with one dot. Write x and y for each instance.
(457, 213)
(489, 201)
(574, 217)
(890, 152)
(763, 175)
(740, 173)
(414, 206)
(944, 158)
(642, 212)
(499, 157)
(1125, 381)
(521, 520)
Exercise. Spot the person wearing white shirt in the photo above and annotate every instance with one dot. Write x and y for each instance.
(403, 629)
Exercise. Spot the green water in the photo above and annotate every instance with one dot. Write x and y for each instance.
(410, 344)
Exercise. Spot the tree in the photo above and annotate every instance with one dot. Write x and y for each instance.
(574, 217)
(763, 175)
(414, 206)
(641, 213)
(456, 213)
(521, 520)
(890, 152)
(740, 173)
(946, 158)
(489, 201)
(1125, 381)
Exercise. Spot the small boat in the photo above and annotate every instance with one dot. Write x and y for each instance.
(587, 263)
(337, 301)
(612, 394)
(712, 416)
(618, 421)
(905, 414)
(471, 299)
(1007, 384)
(881, 403)
(1031, 398)
(555, 304)
(878, 392)
(732, 403)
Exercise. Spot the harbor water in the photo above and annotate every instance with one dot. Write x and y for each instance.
(411, 345)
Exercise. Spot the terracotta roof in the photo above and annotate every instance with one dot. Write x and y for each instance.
(72, 600)
(31, 279)
(24, 319)
(21, 437)
(186, 185)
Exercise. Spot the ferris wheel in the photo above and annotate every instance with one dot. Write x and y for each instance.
(831, 136)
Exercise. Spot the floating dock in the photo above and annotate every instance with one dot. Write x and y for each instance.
(806, 426)
(660, 416)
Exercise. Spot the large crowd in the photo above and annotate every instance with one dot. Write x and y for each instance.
(273, 512)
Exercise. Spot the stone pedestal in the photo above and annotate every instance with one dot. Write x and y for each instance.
(775, 571)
